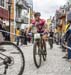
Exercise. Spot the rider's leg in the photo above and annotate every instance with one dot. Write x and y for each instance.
(45, 37)
(44, 44)
(44, 41)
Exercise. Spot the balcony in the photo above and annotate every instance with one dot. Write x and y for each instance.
(22, 20)
(18, 20)
(22, 4)
(25, 7)
(19, 4)
(61, 14)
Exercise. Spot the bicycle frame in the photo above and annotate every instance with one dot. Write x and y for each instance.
(39, 50)
(40, 42)
(3, 57)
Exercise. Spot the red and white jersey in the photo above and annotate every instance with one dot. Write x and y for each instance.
(39, 25)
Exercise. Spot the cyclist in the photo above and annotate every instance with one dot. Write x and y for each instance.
(51, 36)
(40, 26)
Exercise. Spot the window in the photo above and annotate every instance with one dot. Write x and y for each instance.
(2, 3)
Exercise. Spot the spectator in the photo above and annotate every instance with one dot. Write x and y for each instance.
(1, 34)
(17, 35)
(25, 36)
(22, 36)
(4, 33)
(68, 36)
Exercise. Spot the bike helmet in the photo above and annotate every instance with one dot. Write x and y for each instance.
(37, 14)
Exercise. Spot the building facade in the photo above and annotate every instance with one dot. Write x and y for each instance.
(4, 14)
(3, 10)
(61, 17)
(20, 7)
(69, 1)
(30, 4)
(22, 12)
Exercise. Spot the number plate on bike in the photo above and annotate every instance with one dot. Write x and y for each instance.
(37, 36)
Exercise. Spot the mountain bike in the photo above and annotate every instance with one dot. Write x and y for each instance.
(12, 60)
(39, 50)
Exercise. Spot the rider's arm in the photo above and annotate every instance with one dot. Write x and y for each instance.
(29, 28)
(67, 35)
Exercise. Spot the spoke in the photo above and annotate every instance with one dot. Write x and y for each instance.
(1, 58)
(1, 64)
(15, 52)
(3, 55)
(16, 56)
(2, 50)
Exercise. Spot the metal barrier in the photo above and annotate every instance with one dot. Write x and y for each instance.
(1, 37)
(67, 47)
(9, 32)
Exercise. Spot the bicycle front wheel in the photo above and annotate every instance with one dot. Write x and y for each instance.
(36, 55)
(18, 62)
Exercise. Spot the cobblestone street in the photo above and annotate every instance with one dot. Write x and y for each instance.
(55, 64)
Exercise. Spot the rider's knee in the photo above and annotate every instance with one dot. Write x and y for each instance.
(45, 37)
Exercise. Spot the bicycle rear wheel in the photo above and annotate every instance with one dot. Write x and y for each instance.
(13, 51)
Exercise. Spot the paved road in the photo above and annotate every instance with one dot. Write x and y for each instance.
(54, 65)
